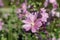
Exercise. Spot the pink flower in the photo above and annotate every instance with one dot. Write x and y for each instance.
(46, 3)
(24, 7)
(44, 15)
(1, 3)
(21, 13)
(55, 5)
(53, 12)
(53, 2)
(32, 23)
(43, 10)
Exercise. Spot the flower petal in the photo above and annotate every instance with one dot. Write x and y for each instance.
(38, 23)
(33, 30)
(27, 27)
(32, 17)
(26, 21)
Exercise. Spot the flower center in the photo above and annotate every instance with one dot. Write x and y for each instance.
(32, 23)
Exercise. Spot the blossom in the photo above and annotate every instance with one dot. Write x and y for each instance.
(44, 15)
(32, 23)
(55, 5)
(24, 7)
(53, 12)
(53, 2)
(1, 3)
(46, 3)
(43, 10)
(21, 13)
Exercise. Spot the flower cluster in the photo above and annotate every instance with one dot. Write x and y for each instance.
(53, 2)
(33, 22)
(35, 19)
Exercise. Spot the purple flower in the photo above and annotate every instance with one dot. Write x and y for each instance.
(44, 15)
(24, 7)
(55, 5)
(53, 2)
(1, 3)
(46, 3)
(21, 13)
(43, 10)
(53, 12)
(32, 23)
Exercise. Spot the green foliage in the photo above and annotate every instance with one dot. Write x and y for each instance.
(13, 26)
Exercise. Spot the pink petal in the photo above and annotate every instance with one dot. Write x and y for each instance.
(24, 7)
(26, 21)
(27, 27)
(20, 16)
(33, 30)
(38, 23)
(53, 12)
(46, 3)
(43, 10)
(55, 5)
(52, 1)
(1, 3)
(32, 17)
(44, 17)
